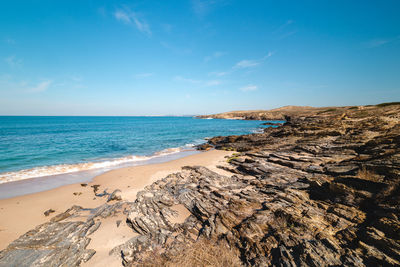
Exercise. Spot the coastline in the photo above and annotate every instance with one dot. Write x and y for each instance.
(22, 213)
(304, 186)
(43, 183)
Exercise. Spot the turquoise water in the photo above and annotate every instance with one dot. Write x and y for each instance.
(41, 146)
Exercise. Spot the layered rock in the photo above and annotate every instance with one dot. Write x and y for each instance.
(321, 190)
(62, 241)
(318, 191)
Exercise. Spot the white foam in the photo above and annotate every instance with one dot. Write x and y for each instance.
(258, 130)
(70, 168)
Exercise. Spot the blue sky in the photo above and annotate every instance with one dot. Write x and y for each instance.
(195, 57)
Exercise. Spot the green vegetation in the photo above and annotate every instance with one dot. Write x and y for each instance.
(234, 156)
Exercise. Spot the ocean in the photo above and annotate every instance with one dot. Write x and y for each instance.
(36, 146)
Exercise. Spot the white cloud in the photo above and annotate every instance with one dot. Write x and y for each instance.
(286, 35)
(179, 78)
(251, 63)
(175, 49)
(213, 83)
(219, 73)
(76, 78)
(284, 25)
(248, 88)
(380, 42)
(183, 79)
(41, 87)
(246, 64)
(132, 18)
(122, 16)
(202, 7)
(214, 56)
(377, 42)
(13, 62)
(143, 75)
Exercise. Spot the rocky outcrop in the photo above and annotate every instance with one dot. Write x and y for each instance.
(292, 111)
(321, 190)
(315, 192)
(273, 114)
(62, 241)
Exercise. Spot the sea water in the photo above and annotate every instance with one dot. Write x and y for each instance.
(35, 146)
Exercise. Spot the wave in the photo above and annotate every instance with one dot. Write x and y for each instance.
(71, 168)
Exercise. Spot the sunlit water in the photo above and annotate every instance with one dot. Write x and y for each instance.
(32, 147)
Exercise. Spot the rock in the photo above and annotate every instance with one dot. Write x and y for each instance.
(95, 188)
(115, 195)
(47, 212)
(320, 190)
(296, 196)
(62, 241)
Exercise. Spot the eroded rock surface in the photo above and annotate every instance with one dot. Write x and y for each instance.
(318, 191)
(321, 190)
(60, 242)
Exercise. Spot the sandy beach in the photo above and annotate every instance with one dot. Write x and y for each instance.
(21, 214)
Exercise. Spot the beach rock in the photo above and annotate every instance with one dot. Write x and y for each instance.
(47, 212)
(321, 190)
(115, 195)
(62, 241)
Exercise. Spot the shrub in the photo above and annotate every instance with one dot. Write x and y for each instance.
(202, 253)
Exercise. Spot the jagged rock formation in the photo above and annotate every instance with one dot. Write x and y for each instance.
(316, 192)
(60, 242)
(321, 190)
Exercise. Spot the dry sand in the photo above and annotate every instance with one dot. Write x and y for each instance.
(23, 213)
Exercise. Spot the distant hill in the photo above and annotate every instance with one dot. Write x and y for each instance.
(297, 111)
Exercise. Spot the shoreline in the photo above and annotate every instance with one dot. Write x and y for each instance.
(21, 213)
(43, 183)
(290, 192)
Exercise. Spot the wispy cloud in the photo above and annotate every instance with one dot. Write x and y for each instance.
(213, 83)
(13, 62)
(219, 73)
(246, 64)
(248, 88)
(179, 78)
(175, 49)
(380, 42)
(202, 7)
(41, 87)
(283, 26)
(285, 30)
(286, 35)
(143, 75)
(251, 63)
(215, 55)
(132, 18)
